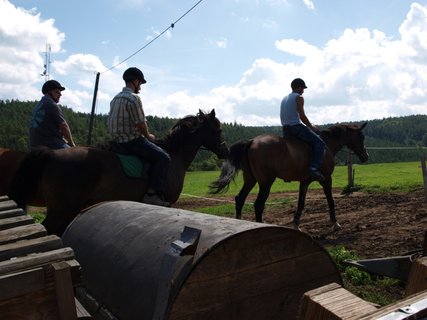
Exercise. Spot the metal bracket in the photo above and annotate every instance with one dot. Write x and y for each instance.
(176, 265)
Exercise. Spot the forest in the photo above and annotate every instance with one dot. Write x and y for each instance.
(395, 139)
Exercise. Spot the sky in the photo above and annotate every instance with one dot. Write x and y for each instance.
(361, 59)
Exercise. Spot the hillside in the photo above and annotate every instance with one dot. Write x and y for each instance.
(397, 134)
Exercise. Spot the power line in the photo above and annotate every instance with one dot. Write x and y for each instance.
(155, 38)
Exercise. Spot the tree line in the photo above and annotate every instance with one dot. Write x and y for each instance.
(403, 136)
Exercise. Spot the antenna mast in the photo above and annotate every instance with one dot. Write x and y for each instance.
(46, 71)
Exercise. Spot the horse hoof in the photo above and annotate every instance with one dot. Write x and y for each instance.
(337, 226)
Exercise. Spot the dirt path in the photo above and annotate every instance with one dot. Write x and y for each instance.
(374, 225)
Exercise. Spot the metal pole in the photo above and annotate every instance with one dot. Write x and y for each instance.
(92, 114)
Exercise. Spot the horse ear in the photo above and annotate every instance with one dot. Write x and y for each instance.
(363, 125)
(212, 113)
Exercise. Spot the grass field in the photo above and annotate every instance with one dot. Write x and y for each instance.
(379, 177)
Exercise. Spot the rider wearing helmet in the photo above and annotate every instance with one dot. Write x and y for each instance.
(128, 127)
(48, 127)
(295, 123)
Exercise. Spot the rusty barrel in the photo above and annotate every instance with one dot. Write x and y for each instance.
(149, 262)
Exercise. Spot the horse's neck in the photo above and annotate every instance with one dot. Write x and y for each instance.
(184, 155)
(334, 145)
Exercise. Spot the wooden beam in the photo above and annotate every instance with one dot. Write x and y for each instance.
(424, 170)
(18, 284)
(24, 247)
(11, 213)
(8, 204)
(13, 222)
(64, 291)
(23, 232)
(35, 260)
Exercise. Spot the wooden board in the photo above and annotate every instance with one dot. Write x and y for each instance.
(37, 273)
(333, 302)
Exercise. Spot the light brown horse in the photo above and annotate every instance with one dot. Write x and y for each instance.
(75, 178)
(267, 157)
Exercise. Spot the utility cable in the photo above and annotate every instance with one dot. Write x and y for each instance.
(155, 38)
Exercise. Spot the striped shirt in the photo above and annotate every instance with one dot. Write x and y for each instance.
(125, 112)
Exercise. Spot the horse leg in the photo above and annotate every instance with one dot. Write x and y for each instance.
(248, 183)
(327, 189)
(303, 187)
(53, 224)
(264, 191)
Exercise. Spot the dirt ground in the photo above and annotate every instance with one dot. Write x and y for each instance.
(373, 225)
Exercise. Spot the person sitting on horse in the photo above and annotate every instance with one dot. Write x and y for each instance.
(48, 128)
(296, 124)
(128, 127)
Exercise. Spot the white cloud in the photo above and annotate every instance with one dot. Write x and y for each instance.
(309, 4)
(222, 43)
(23, 39)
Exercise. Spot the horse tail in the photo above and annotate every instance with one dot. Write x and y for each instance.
(26, 179)
(237, 160)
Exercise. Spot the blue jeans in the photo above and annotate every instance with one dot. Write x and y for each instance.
(304, 133)
(54, 145)
(159, 159)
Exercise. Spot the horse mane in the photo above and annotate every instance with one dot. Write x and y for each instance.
(178, 134)
(337, 130)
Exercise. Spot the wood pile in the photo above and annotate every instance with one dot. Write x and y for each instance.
(37, 274)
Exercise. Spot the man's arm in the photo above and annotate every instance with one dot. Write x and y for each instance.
(66, 132)
(302, 116)
(143, 130)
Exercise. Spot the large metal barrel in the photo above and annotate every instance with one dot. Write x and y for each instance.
(148, 262)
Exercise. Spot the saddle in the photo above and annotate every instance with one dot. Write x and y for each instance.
(132, 165)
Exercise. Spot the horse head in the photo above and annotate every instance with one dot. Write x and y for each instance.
(211, 133)
(202, 130)
(356, 141)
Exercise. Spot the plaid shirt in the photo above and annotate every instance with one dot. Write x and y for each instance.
(125, 112)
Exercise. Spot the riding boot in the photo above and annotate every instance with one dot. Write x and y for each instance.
(155, 199)
(315, 174)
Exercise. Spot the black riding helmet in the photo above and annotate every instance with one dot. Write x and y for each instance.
(51, 85)
(298, 82)
(133, 74)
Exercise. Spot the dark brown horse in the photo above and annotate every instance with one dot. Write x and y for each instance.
(75, 178)
(267, 157)
(10, 160)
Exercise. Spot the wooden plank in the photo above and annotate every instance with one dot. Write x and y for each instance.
(11, 213)
(4, 198)
(333, 302)
(417, 280)
(23, 232)
(398, 309)
(13, 222)
(39, 304)
(35, 260)
(64, 291)
(424, 171)
(75, 269)
(24, 247)
(8, 204)
(17, 284)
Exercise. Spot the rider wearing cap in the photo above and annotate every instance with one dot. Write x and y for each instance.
(48, 127)
(295, 123)
(127, 125)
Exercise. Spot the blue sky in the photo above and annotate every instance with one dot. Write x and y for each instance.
(361, 60)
